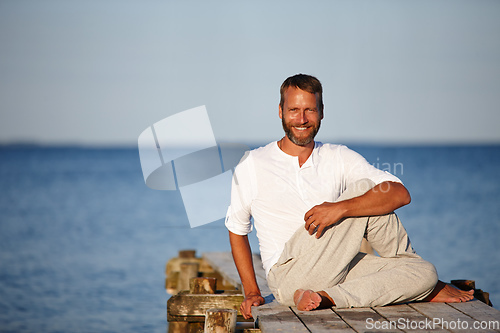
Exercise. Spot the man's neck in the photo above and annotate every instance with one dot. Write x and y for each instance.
(290, 148)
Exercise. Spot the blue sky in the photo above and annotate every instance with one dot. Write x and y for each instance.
(396, 72)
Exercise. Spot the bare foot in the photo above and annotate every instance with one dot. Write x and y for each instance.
(306, 300)
(447, 293)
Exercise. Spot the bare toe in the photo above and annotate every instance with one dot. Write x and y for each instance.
(306, 300)
(447, 293)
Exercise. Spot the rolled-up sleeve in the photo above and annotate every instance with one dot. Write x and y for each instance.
(239, 213)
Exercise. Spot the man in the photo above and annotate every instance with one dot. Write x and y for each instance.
(312, 205)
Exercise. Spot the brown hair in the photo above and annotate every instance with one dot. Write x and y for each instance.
(304, 82)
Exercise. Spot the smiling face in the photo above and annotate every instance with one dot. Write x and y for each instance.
(301, 116)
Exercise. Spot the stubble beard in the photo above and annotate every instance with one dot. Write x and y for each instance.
(299, 142)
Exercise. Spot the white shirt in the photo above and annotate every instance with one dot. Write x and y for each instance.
(269, 186)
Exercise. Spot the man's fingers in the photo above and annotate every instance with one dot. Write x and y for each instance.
(319, 231)
(247, 313)
(308, 225)
(244, 310)
(308, 214)
(246, 306)
(311, 227)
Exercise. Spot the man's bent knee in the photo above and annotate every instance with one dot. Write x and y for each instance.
(427, 279)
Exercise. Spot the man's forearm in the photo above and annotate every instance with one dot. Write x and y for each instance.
(381, 199)
(242, 255)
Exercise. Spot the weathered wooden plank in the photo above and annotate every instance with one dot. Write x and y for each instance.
(220, 320)
(322, 321)
(407, 319)
(190, 319)
(365, 320)
(447, 317)
(268, 308)
(174, 265)
(188, 271)
(480, 312)
(273, 317)
(173, 269)
(185, 304)
(203, 285)
(175, 327)
(260, 274)
(224, 264)
(257, 265)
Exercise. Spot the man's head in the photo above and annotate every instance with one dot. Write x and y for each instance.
(301, 108)
(303, 82)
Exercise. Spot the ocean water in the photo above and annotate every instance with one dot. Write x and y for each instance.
(84, 242)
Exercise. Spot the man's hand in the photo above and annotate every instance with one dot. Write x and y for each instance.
(321, 216)
(381, 199)
(242, 254)
(249, 301)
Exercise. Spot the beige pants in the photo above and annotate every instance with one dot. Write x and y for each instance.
(334, 264)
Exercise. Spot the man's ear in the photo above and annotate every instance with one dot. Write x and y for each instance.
(281, 112)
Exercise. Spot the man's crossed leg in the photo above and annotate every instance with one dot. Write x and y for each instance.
(330, 270)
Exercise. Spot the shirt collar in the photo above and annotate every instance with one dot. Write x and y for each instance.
(310, 162)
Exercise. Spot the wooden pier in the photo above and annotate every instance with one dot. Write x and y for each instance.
(187, 307)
